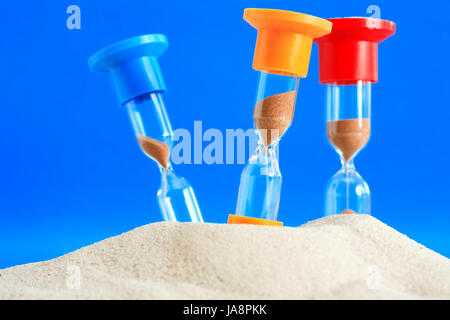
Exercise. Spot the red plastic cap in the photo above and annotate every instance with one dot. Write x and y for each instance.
(350, 52)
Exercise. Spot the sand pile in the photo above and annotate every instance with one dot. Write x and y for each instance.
(345, 256)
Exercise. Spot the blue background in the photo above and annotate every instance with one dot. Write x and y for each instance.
(71, 173)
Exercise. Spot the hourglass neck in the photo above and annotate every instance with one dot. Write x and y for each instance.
(167, 171)
(265, 153)
(347, 165)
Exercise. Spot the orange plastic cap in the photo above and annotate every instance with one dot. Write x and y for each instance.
(234, 219)
(284, 41)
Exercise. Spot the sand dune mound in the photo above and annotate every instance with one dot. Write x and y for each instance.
(338, 257)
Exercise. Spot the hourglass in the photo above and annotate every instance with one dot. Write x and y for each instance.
(134, 68)
(348, 65)
(282, 52)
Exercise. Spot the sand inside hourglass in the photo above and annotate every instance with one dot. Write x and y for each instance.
(273, 115)
(348, 136)
(347, 211)
(155, 149)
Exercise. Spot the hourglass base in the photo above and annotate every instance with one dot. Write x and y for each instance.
(177, 200)
(235, 219)
(347, 193)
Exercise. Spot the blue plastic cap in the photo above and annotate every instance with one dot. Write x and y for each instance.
(133, 64)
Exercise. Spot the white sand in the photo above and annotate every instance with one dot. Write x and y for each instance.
(339, 257)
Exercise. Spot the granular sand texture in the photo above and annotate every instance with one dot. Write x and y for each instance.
(155, 149)
(338, 257)
(273, 115)
(349, 135)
